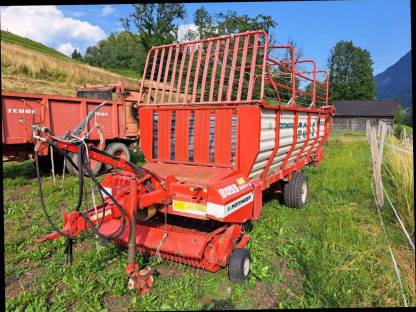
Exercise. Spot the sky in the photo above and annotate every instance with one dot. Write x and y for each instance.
(380, 26)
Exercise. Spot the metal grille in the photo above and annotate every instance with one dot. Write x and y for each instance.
(223, 70)
(195, 136)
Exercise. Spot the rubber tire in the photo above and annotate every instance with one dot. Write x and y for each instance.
(74, 171)
(114, 147)
(236, 265)
(292, 191)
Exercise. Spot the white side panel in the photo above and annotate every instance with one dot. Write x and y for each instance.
(267, 141)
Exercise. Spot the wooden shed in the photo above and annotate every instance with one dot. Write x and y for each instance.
(352, 115)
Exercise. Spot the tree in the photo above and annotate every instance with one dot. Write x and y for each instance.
(204, 23)
(155, 23)
(403, 117)
(76, 55)
(351, 73)
(229, 23)
(118, 51)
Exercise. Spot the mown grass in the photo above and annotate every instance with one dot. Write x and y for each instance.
(330, 254)
(30, 44)
(19, 63)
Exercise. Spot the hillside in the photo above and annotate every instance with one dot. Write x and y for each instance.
(30, 44)
(396, 81)
(28, 66)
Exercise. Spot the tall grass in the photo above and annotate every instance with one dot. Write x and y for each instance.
(398, 174)
(18, 61)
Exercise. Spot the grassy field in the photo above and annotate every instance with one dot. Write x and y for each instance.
(330, 254)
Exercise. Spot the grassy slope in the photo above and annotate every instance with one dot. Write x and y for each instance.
(30, 44)
(28, 66)
(330, 254)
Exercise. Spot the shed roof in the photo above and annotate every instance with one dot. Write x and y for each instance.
(366, 108)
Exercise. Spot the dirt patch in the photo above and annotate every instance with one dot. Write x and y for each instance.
(18, 193)
(82, 246)
(172, 270)
(265, 296)
(24, 282)
(117, 303)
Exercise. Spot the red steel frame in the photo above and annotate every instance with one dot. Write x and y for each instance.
(216, 130)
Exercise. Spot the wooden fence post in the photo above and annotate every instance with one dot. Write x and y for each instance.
(367, 130)
(376, 149)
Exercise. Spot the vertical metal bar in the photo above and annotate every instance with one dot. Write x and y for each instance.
(178, 88)
(164, 135)
(265, 51)
(204, 76)
(242, 68)
(224, 65)
(152, 73)
(144, 76)
(275, 149)
(295, 140)
(314, 85)
(222, 143)
(308, 133)
(317, 136)
(182, 135)
(165, 78)
(172, 82)
(188, 74)
(253, 68)
(327, 88)
(214, 69)
(198, 65)
(201, 144)
(232, 70)
(159, 74)
(292, 52)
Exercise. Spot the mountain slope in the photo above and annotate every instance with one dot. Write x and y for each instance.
(396, 81)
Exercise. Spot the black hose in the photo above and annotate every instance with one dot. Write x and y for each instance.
(83, 163)
(80, 167)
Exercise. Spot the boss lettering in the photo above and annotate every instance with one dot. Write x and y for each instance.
(228, 190)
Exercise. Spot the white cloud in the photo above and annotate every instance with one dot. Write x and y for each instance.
(183, 30)
(67, 48)
(107, 10)
(78, 14)
(48, 25)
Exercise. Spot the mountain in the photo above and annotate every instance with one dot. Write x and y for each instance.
(396, 81)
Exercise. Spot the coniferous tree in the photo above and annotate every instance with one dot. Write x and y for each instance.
(76, 55)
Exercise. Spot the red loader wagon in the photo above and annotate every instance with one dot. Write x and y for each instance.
(223, 121)
(114, 127)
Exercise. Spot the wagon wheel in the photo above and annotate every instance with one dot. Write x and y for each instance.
(119, 150)
(295, 192)
(95, 165)
(239, 265)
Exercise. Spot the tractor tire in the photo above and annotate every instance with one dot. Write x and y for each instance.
(239, 265)
(96, 166)
(295, 191)
(118, 149)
